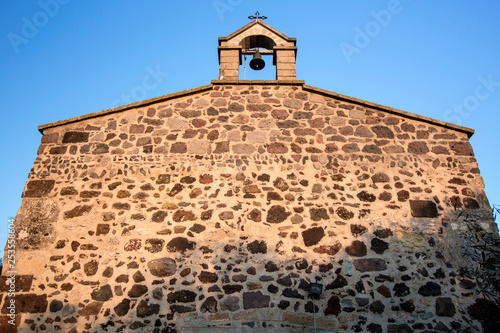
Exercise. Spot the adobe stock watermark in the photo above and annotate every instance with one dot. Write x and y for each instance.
(373, 28)
(150, 81)
(223, 6)
(10, 267)
(486, 87)
(31, 26)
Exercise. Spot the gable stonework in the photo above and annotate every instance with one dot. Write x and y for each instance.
(218, 207)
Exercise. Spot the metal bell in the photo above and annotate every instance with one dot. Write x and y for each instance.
(257, 63)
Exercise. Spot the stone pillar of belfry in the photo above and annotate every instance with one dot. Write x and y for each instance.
(229, 63)
(284, 59)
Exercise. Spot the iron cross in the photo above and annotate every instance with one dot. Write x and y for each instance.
(257, 17)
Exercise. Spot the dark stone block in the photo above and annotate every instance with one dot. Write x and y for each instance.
(255, 300)
(317, 214)
(209, 305)
(366, 197)
(329, 249)
(356, 249)
(38, 188)
(418, 148)
(372, 149)
(430, 289)
(399, 328)
(407, 306)
(146, 309)
(470, 203)
(445, 307)
(313, 236)
(423, 208)
(92, 309)
(154, 245)
(379, 246)
(100, 148)
(383, 132)
(344, 214)
(339, 282)
(22, 283)
(162, 267)
(232, 288)
(333, 306)
(102, 294)
(377, 307)
(55, 306)
(180, 244)
(137, 290)
(271, 267)
(383, 233)
(59, 150)
(370, 265)
(374, 328)
(461, 148)
(207, 277)
(292, 293)
(257, 247)
(277, 214)
(384, 291)
(181, 296)
(401, 289)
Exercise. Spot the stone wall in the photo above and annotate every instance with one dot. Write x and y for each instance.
(214, 209)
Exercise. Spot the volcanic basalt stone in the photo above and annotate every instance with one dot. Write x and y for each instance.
(371, 149)
(162, 267)
(38, 188)
(329, 249)
(401, 289)
(180, 244)
(255, 300)
(399, 328)
(366, 197)
(122, 308)
(333, 306)
(271, 266)
(418, 148)
(317, 214)
(102, 294)
(207, 277)
(423, 208)
(75, 137)
(379, 246)
(91, 268)
(430, 289)
(209, 305)
(277, 214)
(257, 247)
(344, 214)
(377, 307)
(339, 282)
(403, 195)
(92, 309)
(232, 288)
(146, 309)
(370, 265)
(384, 291)
(181, 296)
(255, 215)
(313, 236)
(445, 307)
(407, 306)
(461, 148)
(358, 229)
(55, 305)
(356, 249)
(292, 293)
(77, 211)
(137, 290)
(470, 203)
(380, 178)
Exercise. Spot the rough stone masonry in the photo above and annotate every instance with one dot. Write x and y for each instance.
(211, 210)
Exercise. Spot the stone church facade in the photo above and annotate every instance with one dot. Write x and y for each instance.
(214, 209)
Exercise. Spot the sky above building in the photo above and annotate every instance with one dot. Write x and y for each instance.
(66, 58)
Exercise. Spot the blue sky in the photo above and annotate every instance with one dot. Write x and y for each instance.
(65, 58)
